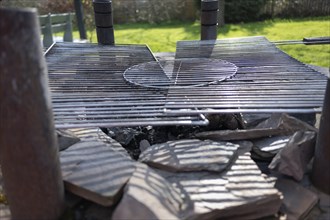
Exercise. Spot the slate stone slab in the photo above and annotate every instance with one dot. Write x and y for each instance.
(96, 134)
(267, 148)
(277, 124)
(298, 201)
(149, 196)
(239, 193)
(65, 138)
(95, 171)
(294, 158)
(251, 120)
(190, 155)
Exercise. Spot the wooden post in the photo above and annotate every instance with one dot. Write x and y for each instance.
(321, 165)
(28, 146)
(209, 17)
(104, 22)
(80, 19)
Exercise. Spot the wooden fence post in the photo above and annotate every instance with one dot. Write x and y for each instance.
(209, 17)
(28, 147)
(321, 165)
(104, 22)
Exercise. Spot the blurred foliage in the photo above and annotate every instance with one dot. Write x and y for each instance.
(244, 11)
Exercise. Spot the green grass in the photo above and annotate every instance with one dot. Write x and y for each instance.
(163, 37)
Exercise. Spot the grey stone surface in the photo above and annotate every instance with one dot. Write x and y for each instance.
(251, 120)
(65, 138)
(267, 148)
(298, 201)
(190, 155)
(96, 134)
(95, 172)
(240, 192)
(294, 158)
(149, 196)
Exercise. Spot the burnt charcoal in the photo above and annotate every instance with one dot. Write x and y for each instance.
(224, 121)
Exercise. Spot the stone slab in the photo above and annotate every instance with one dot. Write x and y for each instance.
(267, 148)
(240, 192)
(65, 138)
(277, 124)
(90, 134)
(149, 196)
(298, 201)
(95, 171)
(294, 158)
(190, 155)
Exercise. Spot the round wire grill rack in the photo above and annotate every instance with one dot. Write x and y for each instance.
(186, 72)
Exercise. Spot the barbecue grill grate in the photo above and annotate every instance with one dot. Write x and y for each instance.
(88, 88)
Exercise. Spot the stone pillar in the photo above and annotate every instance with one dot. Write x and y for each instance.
(104, 22)
(209, 19)
(28, 147)
(321, 165)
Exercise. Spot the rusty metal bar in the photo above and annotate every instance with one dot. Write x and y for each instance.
(209, 19)
(28, 148)
(321, 166)
(104, 22)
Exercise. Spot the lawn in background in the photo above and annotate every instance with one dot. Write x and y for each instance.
(163, 37)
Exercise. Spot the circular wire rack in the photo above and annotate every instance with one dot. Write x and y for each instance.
(187, 72)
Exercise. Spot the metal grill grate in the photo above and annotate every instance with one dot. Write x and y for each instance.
(88, 88)
(267, 80)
